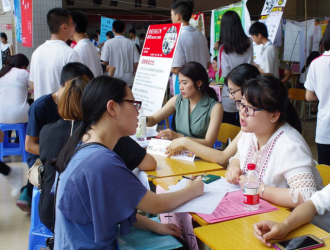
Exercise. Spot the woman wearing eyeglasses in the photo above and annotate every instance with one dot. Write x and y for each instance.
(196, 109)
(284, 162)
(96, 191)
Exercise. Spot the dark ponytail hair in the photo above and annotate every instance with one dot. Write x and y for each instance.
(17, 61)
(196, 72)
(269, 93)
(94, 101)
(241, 74)
(313, 55)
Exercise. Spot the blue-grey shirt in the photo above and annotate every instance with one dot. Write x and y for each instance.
(96, 192)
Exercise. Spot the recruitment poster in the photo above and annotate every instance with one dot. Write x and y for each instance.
(106, 25)
(27, 25)
(18, 20)
(197, 21)
(240, 9)
(319, 30)
(155, 65)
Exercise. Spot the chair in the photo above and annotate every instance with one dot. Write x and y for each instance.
(38, 231)
(325, 173)
(227, 132)
(7, 148)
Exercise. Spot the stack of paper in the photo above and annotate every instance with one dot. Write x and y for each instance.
(231, 207)
(209, 201)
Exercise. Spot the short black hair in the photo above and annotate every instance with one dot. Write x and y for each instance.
(118, 26)
(4, 36)
(110, 34)
(258, 28)
(326, 38)
(142, 35)
(97, 31)
(81, 20)
(183, 8)
(73, 70)
(133, 31)
(56, 17)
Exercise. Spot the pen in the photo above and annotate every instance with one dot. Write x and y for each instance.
(188, 178)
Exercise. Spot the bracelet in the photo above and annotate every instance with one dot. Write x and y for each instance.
(262, 191)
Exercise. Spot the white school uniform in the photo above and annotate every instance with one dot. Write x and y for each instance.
(269, 59)
(89, 56)
(46, 66)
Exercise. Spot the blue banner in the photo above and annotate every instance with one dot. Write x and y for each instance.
(106, 25)
(18, 20)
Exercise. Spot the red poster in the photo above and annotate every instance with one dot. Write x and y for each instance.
(161, 40)
(27, 10)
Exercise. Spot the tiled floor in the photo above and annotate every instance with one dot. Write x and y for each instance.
(15, 224)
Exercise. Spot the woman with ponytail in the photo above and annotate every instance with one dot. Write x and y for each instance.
(95, 191)
(284, 162)
(14, 83)
(196, 110)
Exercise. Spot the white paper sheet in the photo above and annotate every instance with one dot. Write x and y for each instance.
(143, 177)
(208, 202)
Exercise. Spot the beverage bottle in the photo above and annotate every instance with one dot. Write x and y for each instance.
(251, 189)
(141, 131)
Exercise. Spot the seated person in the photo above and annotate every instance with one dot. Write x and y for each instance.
(284, 162)
(213, 69)
(95, 191)
(58, 134)
(285, 75)
(198, 115)
(14, 84)
(235, 81)
(319, 204)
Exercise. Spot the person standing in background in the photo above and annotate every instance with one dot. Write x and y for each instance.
(49, 58)
(6, 48)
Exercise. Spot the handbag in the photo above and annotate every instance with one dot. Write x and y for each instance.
(36, 173)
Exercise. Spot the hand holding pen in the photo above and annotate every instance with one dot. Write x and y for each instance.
(196, 184)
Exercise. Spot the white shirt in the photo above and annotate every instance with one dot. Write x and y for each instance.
(136, 41)
(318, 81)
(89, 56)
(121, 53)
(46, 66)
(269, 59)
(13, 96)
(321, 200)
(4, 46)
(192, 47)
(285, 161)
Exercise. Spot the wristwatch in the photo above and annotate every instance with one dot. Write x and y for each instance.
(262, 191)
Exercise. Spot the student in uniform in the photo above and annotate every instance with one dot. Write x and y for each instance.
(95, 191)
(192, 46)
(197, 112)
(269, 56)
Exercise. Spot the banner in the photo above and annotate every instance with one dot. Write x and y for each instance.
(106, 25)
(27, 25)
(155, 65)
(6, 5)
(271, 15)
(197, 21)
(240, 8)
(319, 30)
(18, 20)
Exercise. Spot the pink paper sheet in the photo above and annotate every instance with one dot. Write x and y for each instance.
(231, 207)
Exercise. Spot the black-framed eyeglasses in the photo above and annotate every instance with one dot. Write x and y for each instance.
(233, 92)
(249, 110)
(137, 104)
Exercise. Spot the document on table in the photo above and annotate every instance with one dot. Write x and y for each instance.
(231, 207)
(158, 147)
(208, 202)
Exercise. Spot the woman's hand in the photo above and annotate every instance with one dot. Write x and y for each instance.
(176, 145)
(169, 134)
(196, 186)
(270, 230)
(233, 175)
(168, 229)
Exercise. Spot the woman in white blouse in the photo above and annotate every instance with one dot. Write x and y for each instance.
(284, 162)
(14, 83)
(304, 213)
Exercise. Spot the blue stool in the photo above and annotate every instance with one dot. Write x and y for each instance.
(7, 148)
(38, 231)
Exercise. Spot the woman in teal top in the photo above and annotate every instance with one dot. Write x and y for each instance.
(198, 115)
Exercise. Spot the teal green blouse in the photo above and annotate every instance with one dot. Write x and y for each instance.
(196, 123)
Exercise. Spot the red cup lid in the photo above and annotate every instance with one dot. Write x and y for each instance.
(251, 166)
